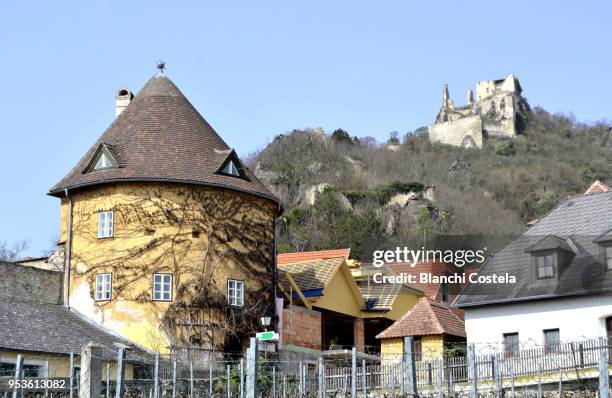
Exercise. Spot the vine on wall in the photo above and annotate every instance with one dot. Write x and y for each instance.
(202, 236)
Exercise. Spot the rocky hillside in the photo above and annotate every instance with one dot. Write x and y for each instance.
(340, 190)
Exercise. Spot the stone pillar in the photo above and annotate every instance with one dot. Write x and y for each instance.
(470, 97)
(359, 334)
(445, 96)
(91, 372)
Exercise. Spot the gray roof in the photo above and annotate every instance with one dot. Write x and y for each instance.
(572, 228)
(32, 326)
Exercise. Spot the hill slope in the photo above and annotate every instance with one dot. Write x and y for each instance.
(340, 191)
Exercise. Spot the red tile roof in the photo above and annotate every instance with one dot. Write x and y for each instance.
(161, 137)
(288, 258)
(430, 289)
(426, 318)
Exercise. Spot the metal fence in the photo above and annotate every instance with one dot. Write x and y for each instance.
(579, 368)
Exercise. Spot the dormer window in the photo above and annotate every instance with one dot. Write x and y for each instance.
(545, 266)
(103, 163)
(608, 257)
(102, 160)
(231, 165)
(231, 169)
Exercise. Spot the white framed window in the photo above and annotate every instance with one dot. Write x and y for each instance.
(162, 287)
(235, 292)
(230, 168)
(103, 286)
(608, 252)
(105, 224)
(546, 266)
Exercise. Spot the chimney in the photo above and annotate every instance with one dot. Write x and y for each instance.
(122, 100)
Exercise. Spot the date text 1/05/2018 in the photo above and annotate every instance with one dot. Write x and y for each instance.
(37, 384)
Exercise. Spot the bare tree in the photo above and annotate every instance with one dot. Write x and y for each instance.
(12, 252)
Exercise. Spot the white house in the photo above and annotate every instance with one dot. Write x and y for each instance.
(563, 289)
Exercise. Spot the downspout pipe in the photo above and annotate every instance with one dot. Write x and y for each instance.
(68, 253)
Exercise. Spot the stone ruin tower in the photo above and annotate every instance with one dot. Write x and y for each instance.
(498, 111)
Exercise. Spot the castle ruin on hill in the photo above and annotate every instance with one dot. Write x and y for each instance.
(498, 111)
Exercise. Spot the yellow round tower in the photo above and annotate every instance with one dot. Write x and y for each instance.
(169, 238)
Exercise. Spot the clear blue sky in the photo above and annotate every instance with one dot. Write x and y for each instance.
(255, 69)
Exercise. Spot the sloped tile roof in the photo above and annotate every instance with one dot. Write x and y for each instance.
(288, 258)
(578, 221)
(55, 329)
(310, 274)
(161, 137)
(384, 294)
(426, 318)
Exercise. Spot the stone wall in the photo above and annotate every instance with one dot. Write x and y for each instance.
(497, 111)
(302, 327)
(20, 282)
(462, 132)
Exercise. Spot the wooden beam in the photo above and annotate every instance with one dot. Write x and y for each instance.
(282, 289)
(298, 291)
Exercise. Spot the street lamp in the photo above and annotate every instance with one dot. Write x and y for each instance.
(265, 321)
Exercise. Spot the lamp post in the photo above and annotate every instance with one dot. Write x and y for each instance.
(265, 320)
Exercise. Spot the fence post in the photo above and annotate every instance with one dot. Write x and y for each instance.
(241, 377)
(560, 382)
(474, 368)
(300, 381)
(274, 381)
(120, 373)
(72, 376)
(365, 378)
(539, 380)
(228, 386)
(581, 354)
(512, 380)
(411, 364)
(191, 391)
(17, 375)
(354, 372)
(402, 371)
(210, 378)
(156, 377)
(107, 380)
(498, 377)
(321, 391)
(91, 372)
(441, 380)
(604, 377)
(174, 377)
(251, 379)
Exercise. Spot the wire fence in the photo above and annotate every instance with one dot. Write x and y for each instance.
(577, 369)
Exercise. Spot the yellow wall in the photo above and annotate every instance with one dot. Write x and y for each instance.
(402, 304)
(236, 239)
(59, 366)
(391, 350)
(432, 347)
(339, 295)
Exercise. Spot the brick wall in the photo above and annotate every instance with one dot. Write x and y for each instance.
(302, 327)
(20, 282)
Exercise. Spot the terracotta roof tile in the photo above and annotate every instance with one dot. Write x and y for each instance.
(160, 136)
(426, 318)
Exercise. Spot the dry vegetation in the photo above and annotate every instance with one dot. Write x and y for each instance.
(491, 191)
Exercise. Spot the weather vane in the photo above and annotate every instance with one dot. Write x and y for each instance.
(161, 65)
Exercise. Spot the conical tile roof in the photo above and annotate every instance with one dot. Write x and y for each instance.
(161, 137)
